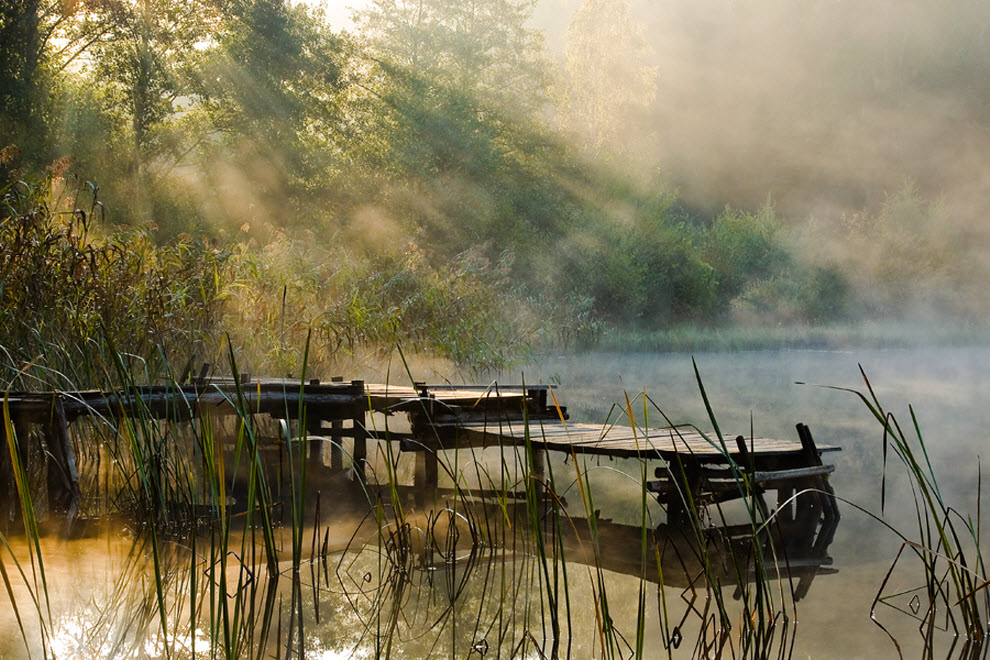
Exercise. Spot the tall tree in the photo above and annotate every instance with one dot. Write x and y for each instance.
(40, 40)
(20, 38)
(484, 47)
(610, 81)
(146, 64)
(274, 89)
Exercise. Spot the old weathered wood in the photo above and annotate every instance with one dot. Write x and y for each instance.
(63, 477)
(336, 449)
(360, 453)
(697, 469)
(314, 428)
(616, 441)
(538, 461)
(780, 477)
(427, 477)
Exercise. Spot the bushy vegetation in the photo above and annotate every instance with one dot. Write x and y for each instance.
(70, 289)
(73, 288)
(430, 180)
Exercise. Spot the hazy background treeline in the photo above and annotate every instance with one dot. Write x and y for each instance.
(475, 179)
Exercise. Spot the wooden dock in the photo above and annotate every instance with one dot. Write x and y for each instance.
(694, 469)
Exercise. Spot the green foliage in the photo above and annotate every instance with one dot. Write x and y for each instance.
(610, 84)
(431, 128)
(352, 302)
(483, 48)
(20, 39)
(911, 257)
(69, 290)
(647, 272)
(743, 247)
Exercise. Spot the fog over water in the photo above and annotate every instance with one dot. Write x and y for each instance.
(833, 620)
(947, 388)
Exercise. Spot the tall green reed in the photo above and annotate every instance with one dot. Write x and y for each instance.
(225, 570)
(946, 541)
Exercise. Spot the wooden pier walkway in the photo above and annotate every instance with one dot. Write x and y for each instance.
(694, 468)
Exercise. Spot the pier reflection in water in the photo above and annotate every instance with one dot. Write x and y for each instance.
(470, 578)
(503, 564)
(582, 583)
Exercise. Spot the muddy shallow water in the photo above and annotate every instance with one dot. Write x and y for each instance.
(359, 598)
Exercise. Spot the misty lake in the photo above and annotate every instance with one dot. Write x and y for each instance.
(948, 388)
(485, 605)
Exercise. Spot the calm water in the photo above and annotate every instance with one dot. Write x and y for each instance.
(949, 389)
(489, 604)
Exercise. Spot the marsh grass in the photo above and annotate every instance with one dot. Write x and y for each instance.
(836, 336)
(221, 581)
(76, 291)
(939, 575)
(232, 557)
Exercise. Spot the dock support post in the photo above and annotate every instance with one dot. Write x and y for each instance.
(7, 497)
(686, 474)
(63, 477)
(748, 461)
(538, 462)
(826, 496)
(314, 429)
(336, 438)
(427, 476)
(8, 480)
(360, 454)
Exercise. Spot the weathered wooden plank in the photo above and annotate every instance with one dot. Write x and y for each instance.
(614, 440)
(784, 476)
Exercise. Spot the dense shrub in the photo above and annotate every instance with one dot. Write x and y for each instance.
(354, 302)
(70, 289)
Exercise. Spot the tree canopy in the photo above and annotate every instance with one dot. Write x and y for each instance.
(437, 132)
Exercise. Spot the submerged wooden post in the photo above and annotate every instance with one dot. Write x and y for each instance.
(427, 476)
(360, 453)
(336, 438)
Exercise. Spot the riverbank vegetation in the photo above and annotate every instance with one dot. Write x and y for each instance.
(177, 171)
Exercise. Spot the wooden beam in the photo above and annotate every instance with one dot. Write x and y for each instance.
(360, 453)
(63, 476)
(336, 449)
